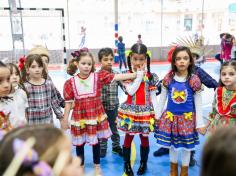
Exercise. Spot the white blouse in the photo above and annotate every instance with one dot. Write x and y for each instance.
(21, 103)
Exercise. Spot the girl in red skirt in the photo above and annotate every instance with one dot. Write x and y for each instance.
(89, 120)
(136, 115)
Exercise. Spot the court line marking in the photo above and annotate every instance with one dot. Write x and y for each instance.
(133, 156)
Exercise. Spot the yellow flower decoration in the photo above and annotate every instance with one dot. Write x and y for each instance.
(127, 53)
(99, 118)
(145, 78)
(122, 122)
(180, 94)
(169, 116)
(82, 124)
(124, 116)
(152, 121)
(126, 120)
(151, 128)
(149, 53)
(188, 115)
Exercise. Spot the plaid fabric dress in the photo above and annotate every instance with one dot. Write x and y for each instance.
(136, 114)
(89, 120)
(224, 109)
(41, 100)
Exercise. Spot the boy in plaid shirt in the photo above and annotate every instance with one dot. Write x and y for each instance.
(110, 102)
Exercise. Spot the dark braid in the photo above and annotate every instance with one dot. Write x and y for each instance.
(148, 67)
(129, 64)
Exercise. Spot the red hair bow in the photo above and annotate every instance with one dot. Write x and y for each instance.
(170, 53)
(77, 53)
(21, 62)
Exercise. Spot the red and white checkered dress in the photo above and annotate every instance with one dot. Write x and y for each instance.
(89, 120)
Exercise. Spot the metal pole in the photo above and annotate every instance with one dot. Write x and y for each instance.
(161, 26)
(23, 40)
(202, 25)
(16, 28)
(116, 27)
(68, 22)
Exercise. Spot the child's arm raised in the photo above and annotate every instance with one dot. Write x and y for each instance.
(132, 88)
(124, 76)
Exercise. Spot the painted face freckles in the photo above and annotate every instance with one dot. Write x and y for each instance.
(137, 60)
(5, 85)
(182, 61)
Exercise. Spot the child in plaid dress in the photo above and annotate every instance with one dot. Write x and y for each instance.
(89, 120)
(43, 52)
(41, 95)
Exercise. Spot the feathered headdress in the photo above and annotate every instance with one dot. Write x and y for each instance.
(196, 46)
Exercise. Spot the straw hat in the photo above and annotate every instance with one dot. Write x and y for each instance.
(39, 49)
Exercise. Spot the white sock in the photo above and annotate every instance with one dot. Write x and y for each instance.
(185, 157)
(173, 155)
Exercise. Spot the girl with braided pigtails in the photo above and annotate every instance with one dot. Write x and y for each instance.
(136, 115)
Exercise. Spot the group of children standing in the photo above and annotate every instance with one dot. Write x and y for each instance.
(96, 115)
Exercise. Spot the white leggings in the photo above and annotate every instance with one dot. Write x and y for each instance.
(185, 156)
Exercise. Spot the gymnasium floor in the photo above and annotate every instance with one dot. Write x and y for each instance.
(159, 166)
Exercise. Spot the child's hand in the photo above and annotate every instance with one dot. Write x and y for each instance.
(73, 105)
(73, 167)
(202, 130)
(142, 68)
(64, 123)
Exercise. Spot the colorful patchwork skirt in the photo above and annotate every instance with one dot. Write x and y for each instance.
(136, 119)
(177, 131)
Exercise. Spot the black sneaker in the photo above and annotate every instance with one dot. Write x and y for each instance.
(103, 153)
(117, 150)
(192, 162)
(161, 151)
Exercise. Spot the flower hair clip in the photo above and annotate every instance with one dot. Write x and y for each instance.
(77, 53)
(170, 52)
(5, 124)
(21, 62)
(27, 156)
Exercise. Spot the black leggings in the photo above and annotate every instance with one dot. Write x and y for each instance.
(96, 153)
